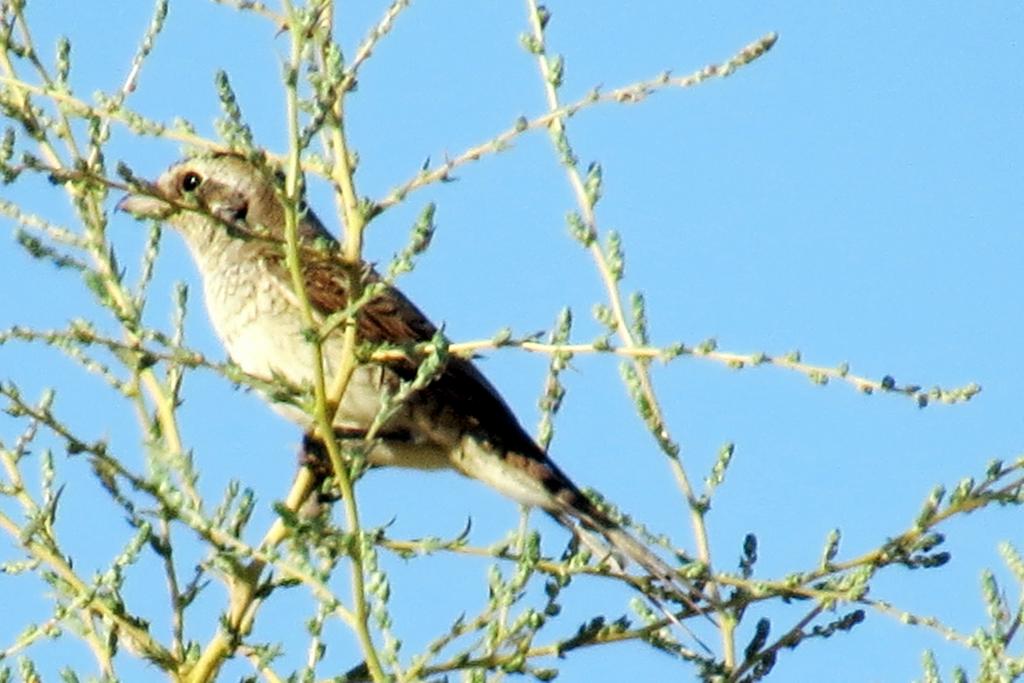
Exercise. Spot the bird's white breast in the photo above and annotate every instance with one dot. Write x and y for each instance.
(257, 317)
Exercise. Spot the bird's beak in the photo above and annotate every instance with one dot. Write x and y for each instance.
(145, 206)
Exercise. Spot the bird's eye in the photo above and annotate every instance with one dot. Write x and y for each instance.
(190, 181)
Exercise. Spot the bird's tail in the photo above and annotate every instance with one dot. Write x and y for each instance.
(627, 548)
(526, 474)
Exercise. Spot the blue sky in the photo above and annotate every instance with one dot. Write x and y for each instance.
(855, 194)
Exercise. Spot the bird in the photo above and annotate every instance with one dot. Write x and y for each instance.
(231, 213)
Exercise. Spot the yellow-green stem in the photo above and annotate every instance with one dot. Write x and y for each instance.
(328, 400)
(623, 329)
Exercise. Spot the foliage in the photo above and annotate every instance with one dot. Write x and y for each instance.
(54, 133)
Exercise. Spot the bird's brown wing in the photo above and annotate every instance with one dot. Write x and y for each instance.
(393, 319)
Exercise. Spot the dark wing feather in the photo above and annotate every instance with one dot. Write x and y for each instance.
(392, 318)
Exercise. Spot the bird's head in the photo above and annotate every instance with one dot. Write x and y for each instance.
(218, 194)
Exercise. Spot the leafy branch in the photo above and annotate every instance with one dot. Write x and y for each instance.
(59, 136)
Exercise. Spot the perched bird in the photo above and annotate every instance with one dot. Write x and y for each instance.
(232, 220)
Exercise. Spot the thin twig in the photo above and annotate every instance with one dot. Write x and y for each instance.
(585, 202)
(628, 94)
